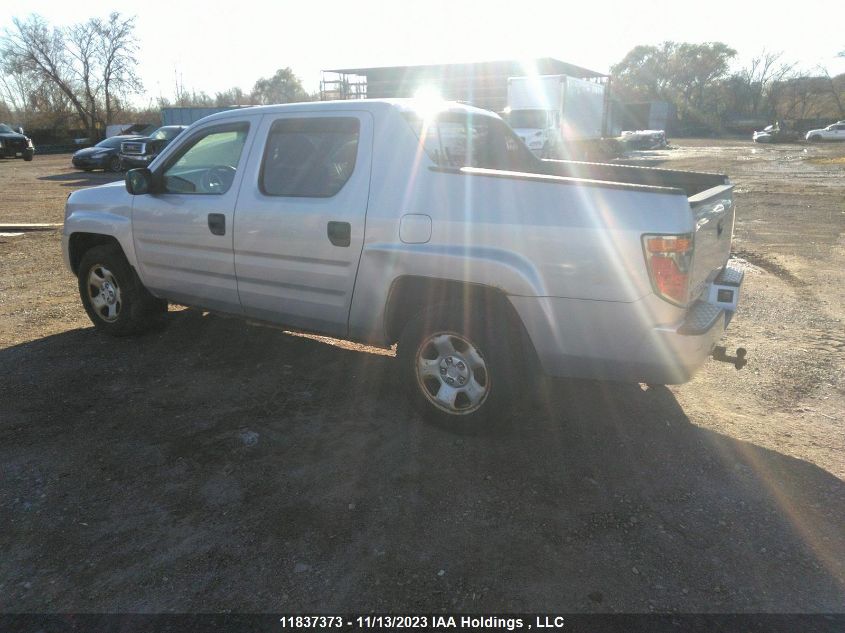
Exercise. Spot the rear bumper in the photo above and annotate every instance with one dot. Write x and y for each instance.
(619, 341)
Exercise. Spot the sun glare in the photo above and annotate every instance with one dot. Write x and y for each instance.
(429, 101)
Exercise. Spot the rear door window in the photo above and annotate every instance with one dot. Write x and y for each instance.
(309, 157)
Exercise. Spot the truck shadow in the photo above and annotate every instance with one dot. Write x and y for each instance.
(260, 471)
(78, 179)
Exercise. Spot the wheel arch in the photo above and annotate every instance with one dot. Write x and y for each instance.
(80, 243)
(409, 295)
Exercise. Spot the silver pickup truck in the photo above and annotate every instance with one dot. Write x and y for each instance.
(428, 225)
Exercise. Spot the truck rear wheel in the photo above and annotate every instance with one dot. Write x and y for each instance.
(114, 298)
(458, 367)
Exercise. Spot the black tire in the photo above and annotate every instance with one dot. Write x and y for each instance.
(119, 305)
(27, 156)
(115, 164)
(500, 375)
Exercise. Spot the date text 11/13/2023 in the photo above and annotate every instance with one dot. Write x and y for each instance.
(375, 622)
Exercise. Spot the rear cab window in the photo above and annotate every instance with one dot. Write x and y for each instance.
(460, 139)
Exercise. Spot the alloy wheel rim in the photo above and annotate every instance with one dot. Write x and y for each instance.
(104, 293)
(452, 373)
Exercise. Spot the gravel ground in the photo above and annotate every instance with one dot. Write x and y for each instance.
(218, 466)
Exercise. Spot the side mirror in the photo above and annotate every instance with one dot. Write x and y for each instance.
(139, 181)
(20, 130)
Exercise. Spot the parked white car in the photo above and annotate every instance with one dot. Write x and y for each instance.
(835, 132)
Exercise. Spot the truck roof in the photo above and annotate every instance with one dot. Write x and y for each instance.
(368, 105)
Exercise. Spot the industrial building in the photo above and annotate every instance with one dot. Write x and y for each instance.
(483, 84)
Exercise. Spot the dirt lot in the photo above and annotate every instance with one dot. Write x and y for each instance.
(218, 466)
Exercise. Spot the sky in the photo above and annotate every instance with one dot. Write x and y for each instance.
(212, 46)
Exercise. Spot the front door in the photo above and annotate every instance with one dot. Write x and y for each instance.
(300, 231)
(183, 232)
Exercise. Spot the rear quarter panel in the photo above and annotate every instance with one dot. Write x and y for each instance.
(525, 237)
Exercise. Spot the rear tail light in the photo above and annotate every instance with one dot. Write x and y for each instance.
(669, 260)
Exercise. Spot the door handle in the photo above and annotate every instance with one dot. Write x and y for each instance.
(217, 223)
(340, 233)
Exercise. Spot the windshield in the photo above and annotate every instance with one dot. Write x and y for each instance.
(533, 119)
(5, 129)
(457, 139)
(111, 143)
(166, 133)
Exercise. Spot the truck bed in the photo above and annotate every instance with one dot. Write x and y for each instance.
(710, 199)
(693, 183)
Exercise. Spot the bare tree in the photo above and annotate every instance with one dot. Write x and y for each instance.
(760, 81)
(89, 63)
(835, 88)
(802, 97)
(35, 48)
(81, 45)
(16, 89)
(117, 48)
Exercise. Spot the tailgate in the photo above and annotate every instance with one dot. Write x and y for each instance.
(713, 211)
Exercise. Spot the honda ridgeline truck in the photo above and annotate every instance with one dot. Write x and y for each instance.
(430, 226)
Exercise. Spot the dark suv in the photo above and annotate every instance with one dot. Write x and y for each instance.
(15, 144)
(140, 152)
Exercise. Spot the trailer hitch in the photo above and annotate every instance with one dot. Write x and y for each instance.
(720, 354)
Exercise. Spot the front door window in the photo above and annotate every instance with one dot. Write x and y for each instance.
(208, 164)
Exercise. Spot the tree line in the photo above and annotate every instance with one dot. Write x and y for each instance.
(283, 87)
(697, 79)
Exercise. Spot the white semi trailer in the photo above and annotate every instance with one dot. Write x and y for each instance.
(556, 115)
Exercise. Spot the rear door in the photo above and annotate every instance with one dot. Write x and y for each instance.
(183, 233)
(299, 221)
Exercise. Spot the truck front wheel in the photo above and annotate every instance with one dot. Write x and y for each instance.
(114, 298)
(457, 367)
